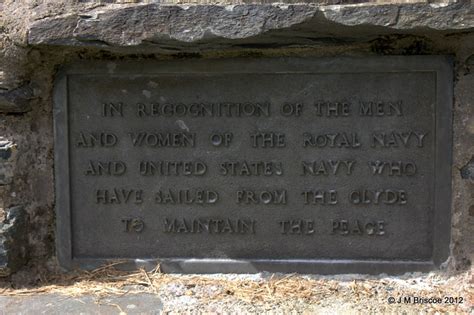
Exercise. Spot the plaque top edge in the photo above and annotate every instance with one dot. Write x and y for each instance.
(438, 63)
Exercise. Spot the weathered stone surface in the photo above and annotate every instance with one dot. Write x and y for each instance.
(402, 17)
(16, 100)
(463, 139)
(467, 172)
(6, 151)
(55, 304)
(319, 31)
(13, 237)
(139, 24)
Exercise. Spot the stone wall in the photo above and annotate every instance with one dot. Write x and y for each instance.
(37, 37)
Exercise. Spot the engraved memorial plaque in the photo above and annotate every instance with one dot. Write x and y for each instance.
(332, 165)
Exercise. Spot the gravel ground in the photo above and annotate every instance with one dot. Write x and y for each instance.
(346, 294)
(115, 292)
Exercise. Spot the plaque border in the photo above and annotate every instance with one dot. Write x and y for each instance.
(442, 66)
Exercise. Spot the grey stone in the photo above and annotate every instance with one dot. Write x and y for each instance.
(155, 23)
(440, 17)
(16, 100)
(6, 151)
(56, 304)
(13, 240)
(467, 172)
(351, 32)
(6, 147)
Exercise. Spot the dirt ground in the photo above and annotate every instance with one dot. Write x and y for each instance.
(111, 291)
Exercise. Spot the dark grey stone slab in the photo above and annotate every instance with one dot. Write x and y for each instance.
(13, 240)
(6, 152)
(16, 100)
(239, 165)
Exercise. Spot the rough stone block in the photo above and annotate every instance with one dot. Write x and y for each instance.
(6, 168)
(13, 235)
(16, 100)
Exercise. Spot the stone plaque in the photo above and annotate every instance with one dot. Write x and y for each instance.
(333, 165)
